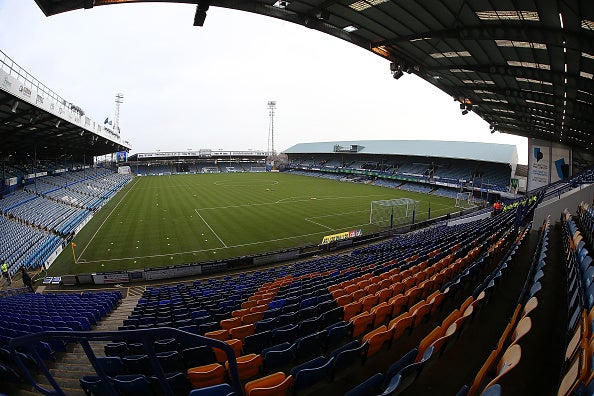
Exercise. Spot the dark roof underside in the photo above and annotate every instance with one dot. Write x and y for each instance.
(30, 130)
(525, 66)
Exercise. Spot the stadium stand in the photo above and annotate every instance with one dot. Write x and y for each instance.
(476, 307)
(39, 219)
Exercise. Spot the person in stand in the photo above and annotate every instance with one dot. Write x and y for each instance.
(4, 269)
(27, 279)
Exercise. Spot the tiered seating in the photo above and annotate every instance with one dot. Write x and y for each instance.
(317, 319)
(28, 313)
(578, 370)
(25, 246)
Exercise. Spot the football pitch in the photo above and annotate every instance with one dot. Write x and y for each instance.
(165, 220)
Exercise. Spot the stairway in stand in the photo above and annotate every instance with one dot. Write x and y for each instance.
(71, 366)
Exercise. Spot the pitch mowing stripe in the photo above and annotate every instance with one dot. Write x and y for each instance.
(228, 247)
(104, 220)
(210, 228)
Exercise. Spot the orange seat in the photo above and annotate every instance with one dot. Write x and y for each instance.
(251, 318)
(421, 312)
(351, 310)
(248, 366)
(259, 308)
(364, 283)
(368, 302)
(372, 288)
(226, 324)
(358, 294)
(382, 312)
(508, 361)
(440, 343)
(428, 340)
(276, 384)
(399, 303)
(401, 324)
(220, 335)
(351, 289)
(383, 295)
(344, 300)
(451, 318)
(414, 295)
(248, 304)
(221, 356)
(385, 283)
(207, 375)
(240, 312)
(240, 332)
(338, 293)
(361, 323)
(409, 283)
(377, 339)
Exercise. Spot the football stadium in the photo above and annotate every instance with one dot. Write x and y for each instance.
(348, 267)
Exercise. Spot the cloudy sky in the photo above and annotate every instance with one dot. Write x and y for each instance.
(189, 87)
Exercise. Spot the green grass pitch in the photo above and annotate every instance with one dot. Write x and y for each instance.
(165, 220)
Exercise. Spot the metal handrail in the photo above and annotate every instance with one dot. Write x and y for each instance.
(146, 336)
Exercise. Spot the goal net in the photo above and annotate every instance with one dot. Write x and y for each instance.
(464, 200)
(391, 212)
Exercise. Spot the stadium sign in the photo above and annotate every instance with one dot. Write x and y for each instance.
(341, 236)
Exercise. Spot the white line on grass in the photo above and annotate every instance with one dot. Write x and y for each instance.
(228, 247)
(210, 228)
(321, 225)
(114, 208)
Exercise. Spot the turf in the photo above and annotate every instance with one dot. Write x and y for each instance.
(165, 220)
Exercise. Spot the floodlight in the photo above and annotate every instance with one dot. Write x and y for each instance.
(14, 106)
(397, 74)
(58, 123)
(464, 112)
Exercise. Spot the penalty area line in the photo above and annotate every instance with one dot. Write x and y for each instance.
(210, 228)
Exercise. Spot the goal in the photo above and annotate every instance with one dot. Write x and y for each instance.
(390, 212)
(464, 200)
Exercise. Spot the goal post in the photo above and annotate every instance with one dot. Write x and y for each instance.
(464, 200)
(390, 212)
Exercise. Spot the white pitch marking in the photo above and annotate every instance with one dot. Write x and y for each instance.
(210, 228)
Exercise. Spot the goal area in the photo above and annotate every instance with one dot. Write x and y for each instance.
(390, 212)
(464, 200)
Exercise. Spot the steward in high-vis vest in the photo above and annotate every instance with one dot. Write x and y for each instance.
(4, 268)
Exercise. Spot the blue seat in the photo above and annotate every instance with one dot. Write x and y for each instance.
(369, 387)
(93, 386)
(310, 345)
(171, 361)
(347, 358)
(339, 332)
(408, 374)
(133, 385)
(178, 383)
(116, 349)
(256, 342)
(276, 359)
(309, 326)
(215, 390)
(286, 334)
(398, 365)
(111, 365)
(265, 324)
(137, 364)
(311, 372)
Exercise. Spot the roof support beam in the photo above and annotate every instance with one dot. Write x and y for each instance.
(537, 34)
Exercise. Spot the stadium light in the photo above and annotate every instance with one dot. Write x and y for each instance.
(58, 123)
(397, 74)
(14, 106)
(201, 9)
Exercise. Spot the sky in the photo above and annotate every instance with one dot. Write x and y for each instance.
(188, 87)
